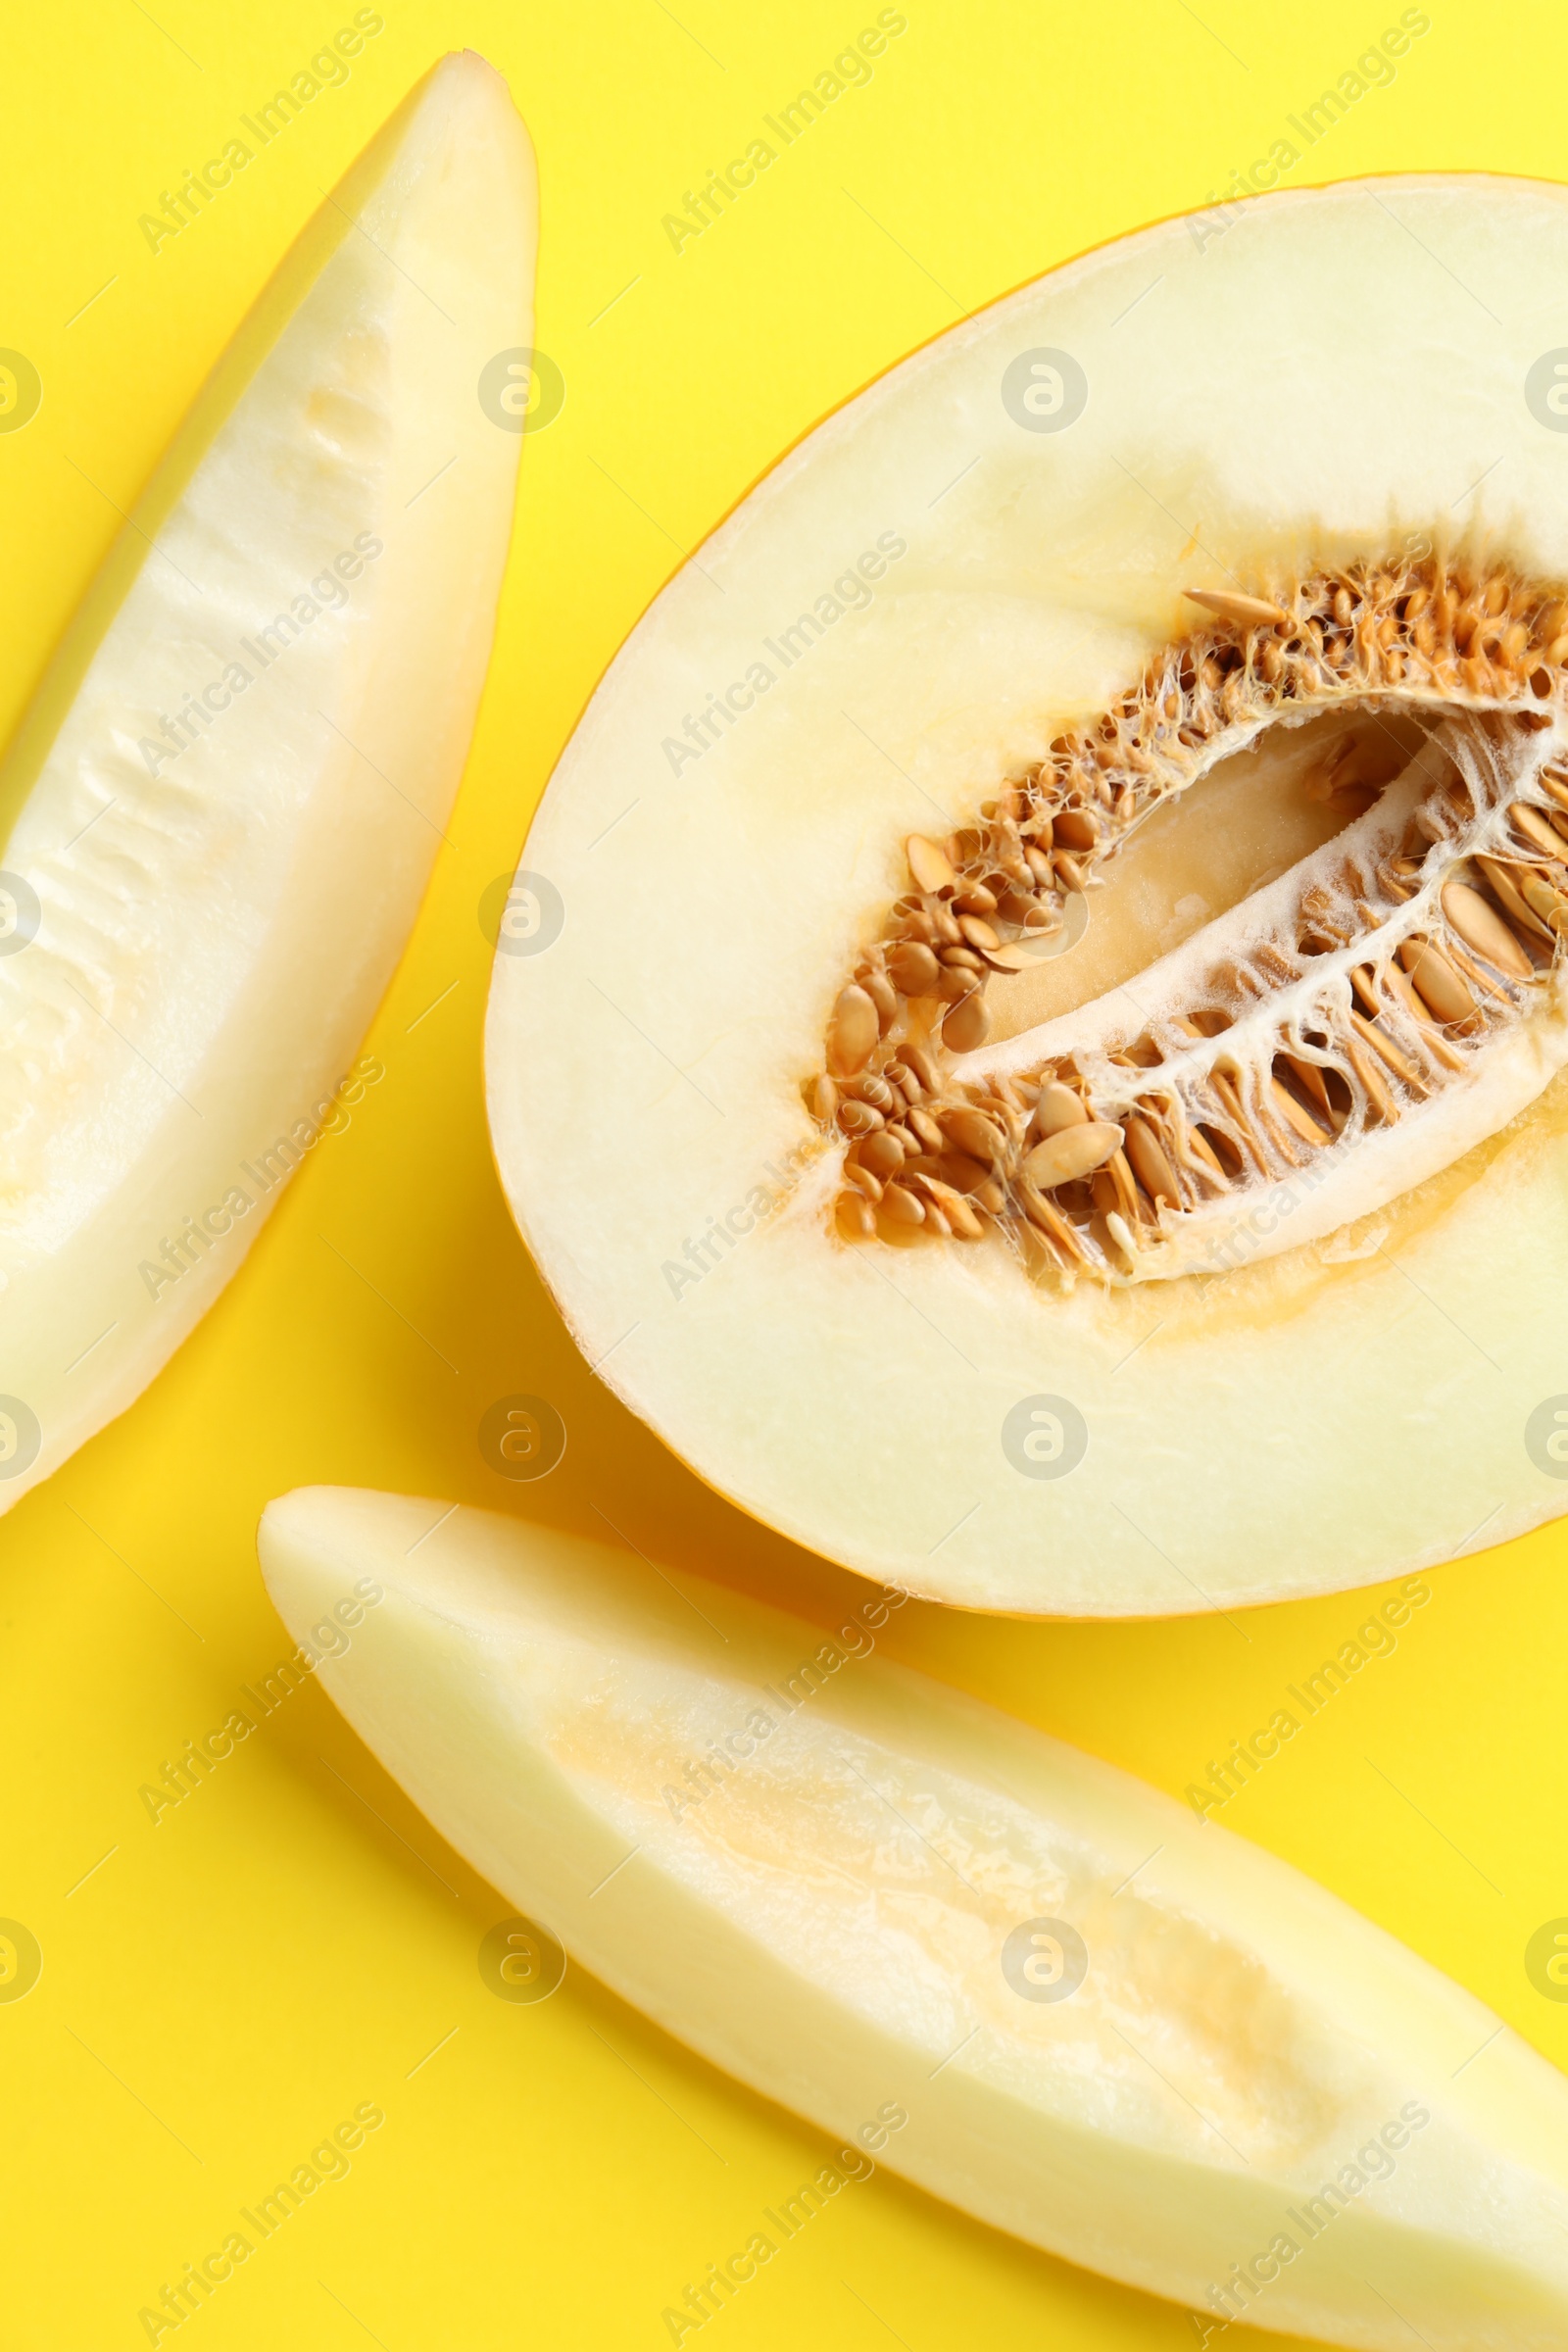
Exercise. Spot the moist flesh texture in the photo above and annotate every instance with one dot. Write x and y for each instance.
(1298, 1310)
(225, 802)
(807, 1863)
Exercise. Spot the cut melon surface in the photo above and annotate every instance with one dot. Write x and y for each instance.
(223, 806)
(1015, 1974)
(1036, 1058)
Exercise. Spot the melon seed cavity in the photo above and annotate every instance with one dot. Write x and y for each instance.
(1394, 958)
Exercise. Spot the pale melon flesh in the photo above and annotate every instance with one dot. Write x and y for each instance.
(1033, 1050)
(222, 808)
(1017, 1976)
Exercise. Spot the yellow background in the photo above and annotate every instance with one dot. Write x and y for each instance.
(294, 1940)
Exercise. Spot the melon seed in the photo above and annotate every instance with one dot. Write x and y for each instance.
(1117, 1227)
(1295, 1114)
(1505, 889)
(966, 1175)
(1535, 830)
(913, 968)
(981, 1138)
(1437, 983)
(1015, 958)
(1378, 1094)
(902, 1206)
(1450, 638)
(967, 1025)
(928, 864)
(1057, 1108)
(855, 1217)
(881, 1153)
(1433, 1039)
(884, 997)
(1248, 612)
(1150, 1164)
(1070, 1152)
(852, 1033)
(1075, 829)
(1545, 902)
(1386, 1051)
(959, 1217)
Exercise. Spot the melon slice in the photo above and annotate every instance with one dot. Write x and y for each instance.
(221, 811)
(1045, 1080)
(1017, 1976)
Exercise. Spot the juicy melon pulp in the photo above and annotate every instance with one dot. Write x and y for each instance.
(224, 803)
(955, 822)
(1118, 2031)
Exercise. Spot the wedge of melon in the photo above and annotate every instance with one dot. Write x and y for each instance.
(1045, 1084)
(221, 809)
(1022, 1979)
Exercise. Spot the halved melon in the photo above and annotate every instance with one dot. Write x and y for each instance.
(222, 808)
(1046, 1082)
(1011, 1972)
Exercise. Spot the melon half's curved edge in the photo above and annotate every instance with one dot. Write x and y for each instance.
(1022, 1979)
(225, 799)
(694, 894)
